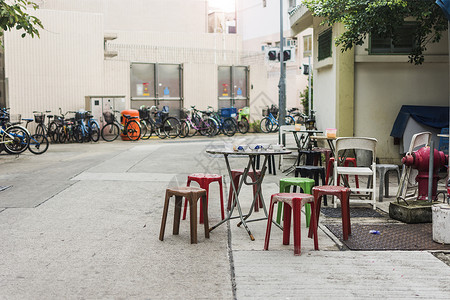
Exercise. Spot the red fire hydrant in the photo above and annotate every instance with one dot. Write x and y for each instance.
(420, 160)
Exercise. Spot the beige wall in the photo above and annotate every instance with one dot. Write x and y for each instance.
(381, 90)
(58, 69)
(383, 83)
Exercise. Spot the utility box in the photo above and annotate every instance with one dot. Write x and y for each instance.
(100, 104)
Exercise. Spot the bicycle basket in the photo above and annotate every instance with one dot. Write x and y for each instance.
(109, 117)
(143, 114)
(79, 116)
(39, 118)
(274, 110)
(228, 112)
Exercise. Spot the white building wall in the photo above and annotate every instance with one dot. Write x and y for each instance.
(145, 15)
(61, 67)
(324, 86)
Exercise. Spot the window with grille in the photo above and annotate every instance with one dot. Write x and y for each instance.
(324, 49)
(402, 45)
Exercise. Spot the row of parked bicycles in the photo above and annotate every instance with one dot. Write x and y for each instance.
(193, 121)
(82, 127)
(270, 122)
(16, 139)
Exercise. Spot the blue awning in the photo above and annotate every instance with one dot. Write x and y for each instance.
(445, 5)
(433, 116)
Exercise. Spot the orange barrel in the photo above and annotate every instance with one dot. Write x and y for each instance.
(129, 112)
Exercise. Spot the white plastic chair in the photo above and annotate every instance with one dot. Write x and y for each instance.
(407, 181)
(358, 143)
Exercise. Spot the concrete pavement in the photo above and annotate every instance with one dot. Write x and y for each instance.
(82, 221)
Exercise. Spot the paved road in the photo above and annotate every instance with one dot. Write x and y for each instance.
(82, 221)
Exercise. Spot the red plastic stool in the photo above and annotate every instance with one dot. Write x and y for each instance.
(204, 180)
(294, 201)
(343, 194)
(236, 176)
(347, 162)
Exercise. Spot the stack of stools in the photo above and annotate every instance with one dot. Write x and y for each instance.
(326, 152)
(294, 202)
(192, 194)
(343, 194)
(306, 185)
(235, 177)
(312, 157)
(204, 181)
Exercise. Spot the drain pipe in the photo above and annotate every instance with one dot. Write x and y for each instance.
(430, 172)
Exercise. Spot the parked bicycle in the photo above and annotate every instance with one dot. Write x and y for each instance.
(15, 139)
(85, 130)
(226, 125)
(38, 142)
(112, 128)
(49, 130)
(270, 122)
(242, 119)
(195, 122)
(161, 124)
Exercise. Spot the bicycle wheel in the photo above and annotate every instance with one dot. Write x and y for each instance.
(78, 134)
(94, 132)
(40, 129)
(172, 127)
(144, 130)
(110, 132)
(52, 132)
(243, 125)
(209, 127)
(184, 129)
(133, 130)
(229, 127)
(16, 139)
(62, 134)
(266, 125)
(38, 144)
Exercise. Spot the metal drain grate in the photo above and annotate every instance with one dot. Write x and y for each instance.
(356, 212)
(391, 237)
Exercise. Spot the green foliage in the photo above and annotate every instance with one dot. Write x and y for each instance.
(304, 97)
(382, 17)
(254, 126)
(15, 16)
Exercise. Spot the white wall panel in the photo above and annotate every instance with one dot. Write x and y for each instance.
(141, 15)
(200, 85)
(58, 69)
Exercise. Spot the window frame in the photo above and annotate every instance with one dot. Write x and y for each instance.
(319, 48)
(401, 50)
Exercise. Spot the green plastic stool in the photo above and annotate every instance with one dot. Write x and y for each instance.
(306, 184)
